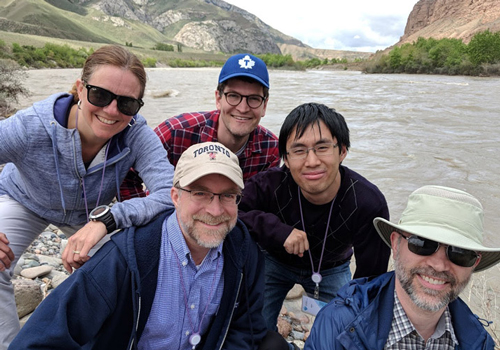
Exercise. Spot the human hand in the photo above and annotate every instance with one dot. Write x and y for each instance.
(296, 243)
(76, 252)
(6, 254)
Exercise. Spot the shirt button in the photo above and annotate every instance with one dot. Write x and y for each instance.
(192, 306)
(187, 333)
(184, 263)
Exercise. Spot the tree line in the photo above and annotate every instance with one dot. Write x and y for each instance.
(444, 56)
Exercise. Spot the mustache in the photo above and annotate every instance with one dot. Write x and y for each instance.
(212, 220)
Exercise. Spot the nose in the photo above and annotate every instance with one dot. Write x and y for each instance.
(439, 260)
(312, 159)
(215, 207)
(112, 108)
(243, 105)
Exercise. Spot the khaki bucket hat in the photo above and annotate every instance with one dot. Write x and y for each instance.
(445, 215)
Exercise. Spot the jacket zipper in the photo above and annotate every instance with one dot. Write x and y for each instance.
(136, 324)
(232, 312)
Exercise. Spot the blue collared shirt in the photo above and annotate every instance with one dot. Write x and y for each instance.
(172, 320)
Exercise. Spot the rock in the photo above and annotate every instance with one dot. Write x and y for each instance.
(64, 243)
(226, 36)
(459, 19)
(18, 268)
(284, 327)
(299, 343)
(50, 260)
(296, 292)
(57, 277)
(306, 335)
(28, 295)
(34, 272)
(297, 335)
(28, 263)
(283, 310)
(25, 319)
(47, 234)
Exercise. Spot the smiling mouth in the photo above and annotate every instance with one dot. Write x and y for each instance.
(432, 280)
(106, 121)
(241, 118)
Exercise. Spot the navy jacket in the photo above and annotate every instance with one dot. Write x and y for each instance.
(360, 318)
(106, 303)
(270, 209)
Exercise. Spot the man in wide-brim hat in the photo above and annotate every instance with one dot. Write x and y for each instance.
(437, 245)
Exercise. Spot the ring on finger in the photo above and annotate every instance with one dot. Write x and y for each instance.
(76, 252)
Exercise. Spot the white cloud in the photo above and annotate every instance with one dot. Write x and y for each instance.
(357, 25)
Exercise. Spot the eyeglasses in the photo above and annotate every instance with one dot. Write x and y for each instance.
(101, 98)
(206, 197)
(253, 101)
(321, 150)
(426, 247)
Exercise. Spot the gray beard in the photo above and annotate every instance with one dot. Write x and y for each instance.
(217, 235)
(407, 277)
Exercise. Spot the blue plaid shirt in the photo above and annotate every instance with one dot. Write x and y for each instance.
(403, 334)
(172, 320)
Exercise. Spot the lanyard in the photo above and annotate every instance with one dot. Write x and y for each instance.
(195, 337)
(103, 171)
(316, 276)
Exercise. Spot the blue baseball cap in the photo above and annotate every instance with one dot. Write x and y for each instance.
(245, 65)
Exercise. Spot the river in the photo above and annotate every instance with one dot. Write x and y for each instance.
(406, 131)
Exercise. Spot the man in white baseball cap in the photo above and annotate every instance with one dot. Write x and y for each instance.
(436, 245)
(191, 279)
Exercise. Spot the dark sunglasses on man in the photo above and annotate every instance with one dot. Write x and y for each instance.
(426, 247)
(101, 98)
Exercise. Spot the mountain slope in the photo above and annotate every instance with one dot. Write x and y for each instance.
(459, 19)
(208, 25)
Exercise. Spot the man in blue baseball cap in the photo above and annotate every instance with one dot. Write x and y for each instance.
(241, 98)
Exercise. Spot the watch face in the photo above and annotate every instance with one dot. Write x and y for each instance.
(99, 210)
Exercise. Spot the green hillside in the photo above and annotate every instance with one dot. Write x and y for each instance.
(39, 17)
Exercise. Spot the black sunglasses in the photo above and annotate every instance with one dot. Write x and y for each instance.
(425, 247)
(101, 98)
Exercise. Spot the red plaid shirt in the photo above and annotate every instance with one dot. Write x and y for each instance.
(182, 131)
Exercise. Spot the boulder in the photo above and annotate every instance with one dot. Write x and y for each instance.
(28, 295)
(34, 272)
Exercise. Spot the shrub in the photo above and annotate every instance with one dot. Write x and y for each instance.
(484, 47)
(11, 87)
(163, 47)
(149, 62)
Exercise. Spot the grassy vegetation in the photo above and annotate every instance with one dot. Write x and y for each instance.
(40, 52)
(445, 56)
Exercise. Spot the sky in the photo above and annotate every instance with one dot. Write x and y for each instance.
(354, 25)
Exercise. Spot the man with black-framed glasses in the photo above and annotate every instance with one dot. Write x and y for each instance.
(437, 245)
(241, 99)
(312, 214)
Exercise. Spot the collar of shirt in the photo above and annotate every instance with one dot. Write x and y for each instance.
(402, 327)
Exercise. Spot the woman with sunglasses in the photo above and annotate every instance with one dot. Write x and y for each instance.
(67, 156)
